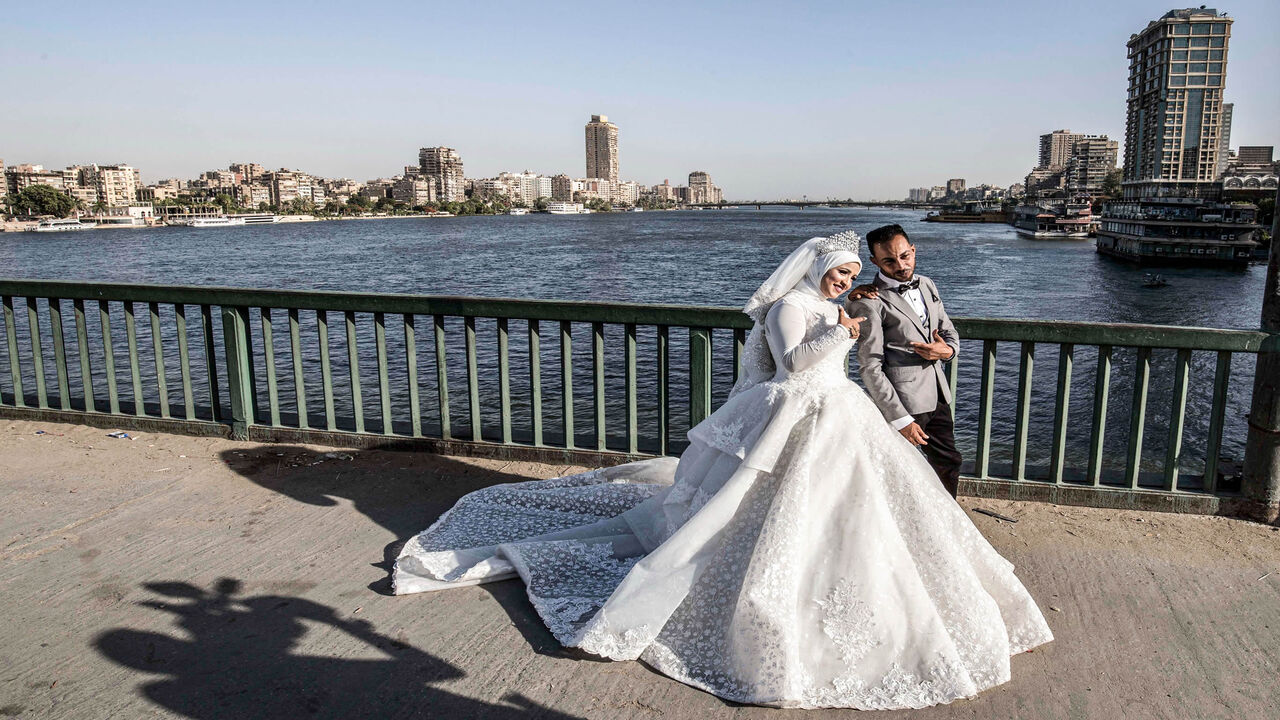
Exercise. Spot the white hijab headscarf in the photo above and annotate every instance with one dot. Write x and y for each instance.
(801, 272)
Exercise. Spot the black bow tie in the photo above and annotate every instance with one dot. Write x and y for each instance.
(915, 283)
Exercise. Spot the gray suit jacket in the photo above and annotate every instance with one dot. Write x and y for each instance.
(899, 381)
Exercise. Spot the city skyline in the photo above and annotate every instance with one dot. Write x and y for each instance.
(835, 111)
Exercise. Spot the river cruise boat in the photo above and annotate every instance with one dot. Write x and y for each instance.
(518, 211)
(257, 218)
(63, 225)
(567, 208)
(972, 212)
(1179, 231)
(1067, 221)
(208, 222)
(120, 221)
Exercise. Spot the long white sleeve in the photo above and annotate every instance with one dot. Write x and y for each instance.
(787, 326)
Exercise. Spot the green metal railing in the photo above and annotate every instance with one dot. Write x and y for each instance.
(205, 338)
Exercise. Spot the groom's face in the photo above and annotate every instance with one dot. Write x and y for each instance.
(896, 258)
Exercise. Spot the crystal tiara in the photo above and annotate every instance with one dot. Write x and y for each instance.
(847, 240)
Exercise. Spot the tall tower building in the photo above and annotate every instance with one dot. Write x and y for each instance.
(702, 190)
(602, 148)
(1224, 142)
(1055, 148)
(1173, 130)
(1091, 158)
(443, 167)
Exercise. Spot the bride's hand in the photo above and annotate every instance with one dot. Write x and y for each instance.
(850, 324)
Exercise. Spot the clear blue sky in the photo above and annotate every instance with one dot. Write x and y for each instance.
(860, 99)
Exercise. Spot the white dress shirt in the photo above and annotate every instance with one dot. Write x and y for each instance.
(914, 298)
(916, 301)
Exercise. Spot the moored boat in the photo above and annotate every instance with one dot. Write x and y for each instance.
(224, 221)
(120, 221)
(1067, 221)
(63, 225)
(1172, 230)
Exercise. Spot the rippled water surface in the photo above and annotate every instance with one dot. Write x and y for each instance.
(706, 257)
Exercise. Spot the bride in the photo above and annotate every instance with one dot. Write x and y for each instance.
(800, 553)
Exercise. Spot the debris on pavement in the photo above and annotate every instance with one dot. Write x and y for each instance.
(995, 515)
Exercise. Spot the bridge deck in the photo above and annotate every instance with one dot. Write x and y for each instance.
(199, 577)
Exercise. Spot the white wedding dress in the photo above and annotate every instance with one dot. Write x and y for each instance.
(800, 553)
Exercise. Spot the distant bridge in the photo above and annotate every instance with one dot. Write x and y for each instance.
(758, 204)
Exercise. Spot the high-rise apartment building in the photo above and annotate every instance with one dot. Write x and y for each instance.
(664, 192)
(444, 166)
(1224, 142)
(283, 185)
(1092, 157)
(702, 190)
(24, 175)
(1173, 129)
(955, 186)
(561, 188)
(414, 190)
(1172, 212)
(247, 172)
(1072, 164)
(116, 185)
(1055, 148)
(602, 149)
(918, 194)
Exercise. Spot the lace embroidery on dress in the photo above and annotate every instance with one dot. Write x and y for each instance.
(597, 639)
(727, 437)
(568, 580)
(849, 622)
(898, 689)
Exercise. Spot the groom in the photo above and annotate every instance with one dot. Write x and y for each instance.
(905, 340)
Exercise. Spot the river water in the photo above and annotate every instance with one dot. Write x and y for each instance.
(699, 257)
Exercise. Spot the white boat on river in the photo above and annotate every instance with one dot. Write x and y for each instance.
(63, 225)
(208, 222)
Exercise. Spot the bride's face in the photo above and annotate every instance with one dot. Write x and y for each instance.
(839, 279)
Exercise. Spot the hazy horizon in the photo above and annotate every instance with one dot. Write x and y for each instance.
(824, 100)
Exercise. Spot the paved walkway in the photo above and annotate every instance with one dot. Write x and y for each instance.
(169, 576)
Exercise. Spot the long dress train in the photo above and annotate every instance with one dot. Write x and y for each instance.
(800, 553)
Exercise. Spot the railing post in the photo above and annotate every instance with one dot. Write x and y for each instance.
(235, 341)
(1260, 484)
(699, 375)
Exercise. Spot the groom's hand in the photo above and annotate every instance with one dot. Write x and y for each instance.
(863, 292)
(936, 350)
(915, 434)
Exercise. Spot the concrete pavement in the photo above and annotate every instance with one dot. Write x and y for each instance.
(171, 576)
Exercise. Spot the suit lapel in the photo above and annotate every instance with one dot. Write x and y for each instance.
(930, 301)
(899, 303)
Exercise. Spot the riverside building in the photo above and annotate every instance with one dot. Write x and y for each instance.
(1072, 164)
(1177, 71)
(702, 191)
(1172, 211)
(1224, 142)
(602, 149)
(444, 166)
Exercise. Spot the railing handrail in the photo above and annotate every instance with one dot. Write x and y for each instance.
(348, 301)
(704, 316)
